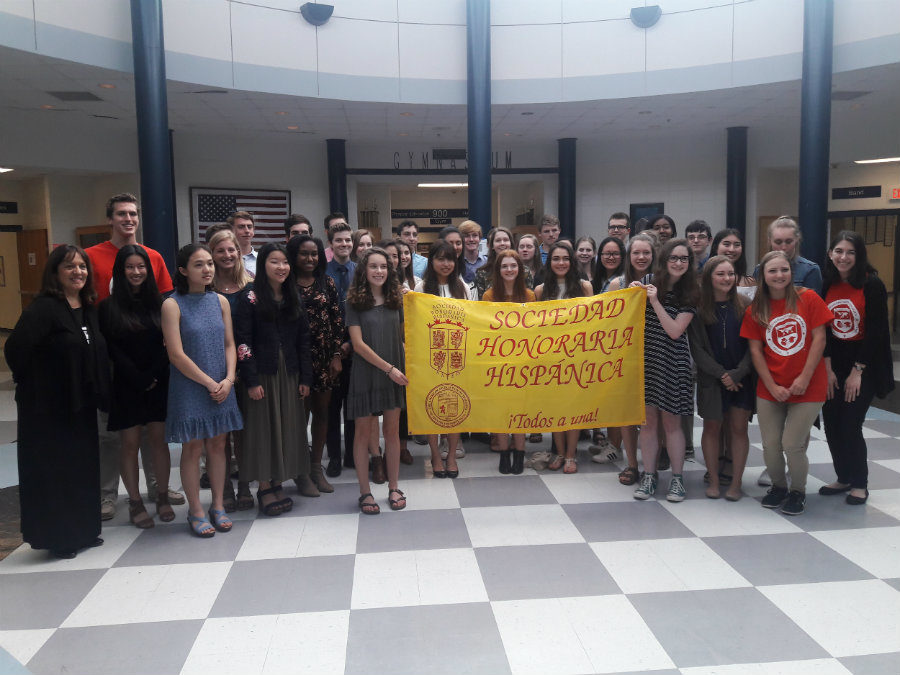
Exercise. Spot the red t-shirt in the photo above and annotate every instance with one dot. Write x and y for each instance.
(848, 305)
(786, 342)
(104, 255)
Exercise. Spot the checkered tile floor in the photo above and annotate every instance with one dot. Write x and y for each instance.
(536, 574)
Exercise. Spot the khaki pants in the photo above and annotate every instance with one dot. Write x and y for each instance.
(784, 428)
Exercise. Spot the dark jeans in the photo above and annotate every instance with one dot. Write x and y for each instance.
(843, 430)
(338, 398)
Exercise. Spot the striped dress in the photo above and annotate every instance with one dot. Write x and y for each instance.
(668, 371)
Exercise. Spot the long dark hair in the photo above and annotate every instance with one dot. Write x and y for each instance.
(707, 305)
(359, 295)
(385, 244)
(740, 265)
(499, 285)
(182, 286)
(668, 219)
(685, 289)
(444, 250)
(600, 273)
(861, 269)
(406, 274)
(50, 280)
(129, 308)
(268, 308)
(293, 250)
(572, 279)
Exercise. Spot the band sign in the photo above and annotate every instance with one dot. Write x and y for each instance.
(858, 192)
(429, 213)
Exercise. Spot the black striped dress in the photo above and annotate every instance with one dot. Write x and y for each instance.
(668, 371)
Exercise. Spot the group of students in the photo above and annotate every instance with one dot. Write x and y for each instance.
(232, 363)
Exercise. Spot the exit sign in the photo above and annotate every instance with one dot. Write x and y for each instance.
(895, 193)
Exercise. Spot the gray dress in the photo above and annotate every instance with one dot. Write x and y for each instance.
(371, 390)
(192, 414)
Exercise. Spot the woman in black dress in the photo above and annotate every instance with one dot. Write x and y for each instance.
(130, 322)
(58, 359)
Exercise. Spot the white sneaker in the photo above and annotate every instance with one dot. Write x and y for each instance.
(604, 455)
(764, 479)
(107, 508)
(443, 448)
(460, 450)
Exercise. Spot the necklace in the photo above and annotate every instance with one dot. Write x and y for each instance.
(724, 307)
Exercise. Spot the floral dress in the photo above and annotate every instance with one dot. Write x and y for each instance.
(326, 326)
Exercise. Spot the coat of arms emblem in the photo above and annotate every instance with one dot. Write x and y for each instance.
(447, 346)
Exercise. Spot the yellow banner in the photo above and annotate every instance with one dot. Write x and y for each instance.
(524, 367)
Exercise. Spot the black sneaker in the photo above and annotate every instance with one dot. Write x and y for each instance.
(774, 497)
(794, 504)
(333, 470)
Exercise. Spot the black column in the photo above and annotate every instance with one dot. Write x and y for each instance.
(154, 149)
(337, 176)
(815, 126)
(566, 163)
(478, 88)
(736, 181)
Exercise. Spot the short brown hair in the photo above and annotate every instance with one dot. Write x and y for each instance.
(548, 219)
(469, 226)
(246, 215)
(50, 280)
(121, 197)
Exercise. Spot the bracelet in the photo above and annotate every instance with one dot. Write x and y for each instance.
(230, 381)
(388, 371)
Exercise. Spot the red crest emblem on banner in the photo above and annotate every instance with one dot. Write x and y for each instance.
(448, 346)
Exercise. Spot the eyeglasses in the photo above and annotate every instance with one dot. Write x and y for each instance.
(617, 228)
(680, 258)
(697, 237)
(614, 254)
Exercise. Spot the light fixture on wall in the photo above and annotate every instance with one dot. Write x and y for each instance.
(315, 13)
(882, 160)
(4, 169)
(645, 17)
(442, 185)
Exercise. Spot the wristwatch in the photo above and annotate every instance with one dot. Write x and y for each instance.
(859, 366)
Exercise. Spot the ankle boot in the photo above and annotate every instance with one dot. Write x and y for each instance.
(504, 461)
(378, 474)
(229, 500)
(305, 486)
(318, 477)
(518, 462)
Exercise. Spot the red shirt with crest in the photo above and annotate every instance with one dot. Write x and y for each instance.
(786, 343)
(848, 305)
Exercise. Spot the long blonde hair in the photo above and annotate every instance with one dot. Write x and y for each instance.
(761, 307)
(238, 275)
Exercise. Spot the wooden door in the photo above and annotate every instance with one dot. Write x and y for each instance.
(33, 252)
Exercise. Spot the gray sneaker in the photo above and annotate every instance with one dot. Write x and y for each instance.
(647, 487)
(107, 508)
(676, 491)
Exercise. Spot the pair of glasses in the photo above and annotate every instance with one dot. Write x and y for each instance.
(617, 228)
(680, 258)
(697, 237)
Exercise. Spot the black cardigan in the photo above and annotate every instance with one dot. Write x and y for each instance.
(874, 350)
(258, 341)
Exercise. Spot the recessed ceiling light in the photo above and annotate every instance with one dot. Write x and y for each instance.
(293, 127)
(47, 106)
(4, 169)
(883, 160)
(442, 185)
(281, 112)
(406, 114)
(107, 85)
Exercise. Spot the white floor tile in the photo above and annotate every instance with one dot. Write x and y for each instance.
(892, 464)
(847, 618)
(876, 550)
(520, 525)
(407, 578)
(151, 593)
(872, 433)
(115, 542)
(660, 565)
(587, 488)
(309, 644)
(809, 667)
(596, 634)
(224, 663)
(430, 493)
(24, 644)
(717, 518)
(887, 501)
(300, 537)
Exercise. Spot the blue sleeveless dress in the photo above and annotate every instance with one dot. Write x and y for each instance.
(192, 414)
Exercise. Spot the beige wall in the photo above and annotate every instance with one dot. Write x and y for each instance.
(10, 300)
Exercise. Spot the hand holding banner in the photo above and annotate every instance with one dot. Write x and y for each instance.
(520, 368)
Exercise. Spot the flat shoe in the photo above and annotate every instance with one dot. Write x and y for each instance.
(712, 493)
(555, 463)
(396, 503)
(368, 508)
(200, 526)
(733, 498)
(857, 501)
(827, 490)
(220, 521)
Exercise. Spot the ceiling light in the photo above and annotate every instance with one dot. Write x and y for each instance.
(507, 134)
(883, 160)
(406, 114)
(281, 112)
(442, 185)
(107, 85)
(403, 133)
(47, 106)
(293, 127)
(3, 169)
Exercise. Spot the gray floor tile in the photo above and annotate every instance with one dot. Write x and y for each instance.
(8, 431)
(169, 544)
(413, 530)
(738, 625)
(502, 491)
(43, 599)
(550, 571)
(882, 448)
(342, 500)
(893, 582)
(770, 559)
(880, 477)
(286, 586)
(872, 664)
(136, 648)
(891, 428)
(833, 513)
(433, 639)
(624, 521)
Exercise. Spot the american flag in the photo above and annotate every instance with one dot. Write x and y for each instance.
(270, 208)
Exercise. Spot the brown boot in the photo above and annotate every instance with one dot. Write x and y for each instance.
(306, 487)
(406, 456)
(378, 474)
(318, 477)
